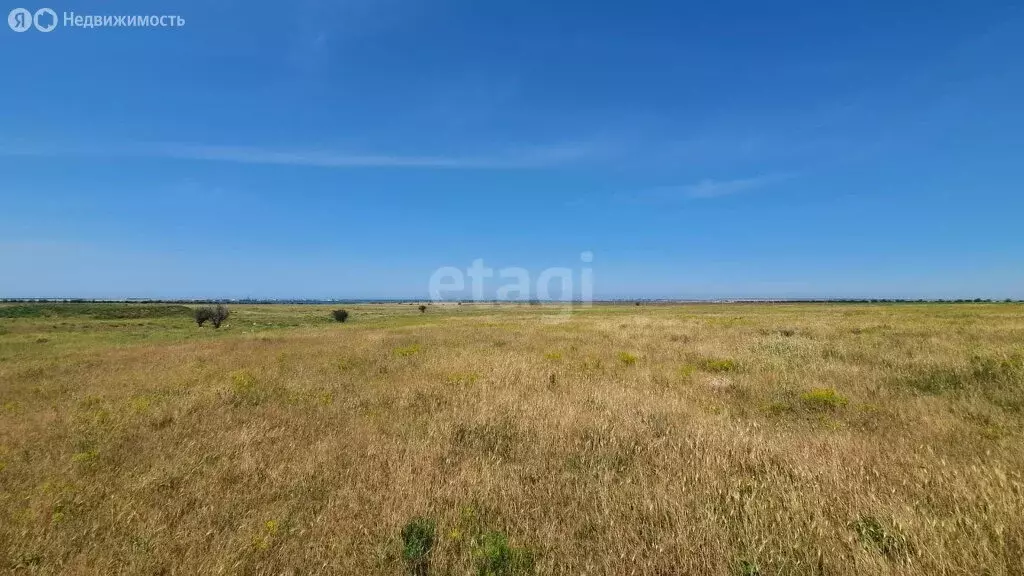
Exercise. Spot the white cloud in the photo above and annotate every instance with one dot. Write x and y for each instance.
(523, 157)
(706, 188)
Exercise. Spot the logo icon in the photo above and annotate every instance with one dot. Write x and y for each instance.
(45, 24)
(20, 19)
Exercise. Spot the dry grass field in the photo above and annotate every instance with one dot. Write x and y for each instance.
(684, 439)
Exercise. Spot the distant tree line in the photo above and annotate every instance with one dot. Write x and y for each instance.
(534, 302)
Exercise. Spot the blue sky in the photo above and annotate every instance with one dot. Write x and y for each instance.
(350, 148)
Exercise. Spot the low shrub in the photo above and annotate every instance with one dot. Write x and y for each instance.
(202, 314)
(417, 541)
(216, 315)
(340, 315)
(220, 314)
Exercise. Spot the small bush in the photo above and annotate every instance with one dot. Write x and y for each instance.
(220, 314)
(627, 358)
(494, 557)
(823, 399)
(340, 315)
(422, 308)
(202, 314)
(417, 540)
(215, 314)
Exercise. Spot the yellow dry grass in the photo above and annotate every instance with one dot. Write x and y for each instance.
(697, 439)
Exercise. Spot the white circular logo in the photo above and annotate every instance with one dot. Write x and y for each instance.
(20, 19)
(44, 24)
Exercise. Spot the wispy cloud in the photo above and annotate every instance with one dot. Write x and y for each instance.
(705, 189)
(521, 157)
(708, 188)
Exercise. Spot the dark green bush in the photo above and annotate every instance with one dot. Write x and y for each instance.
(202, 314)
(340, 315)
(220, 314)
(215, 314)
(417, 540)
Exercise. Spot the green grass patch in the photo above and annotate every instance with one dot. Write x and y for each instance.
(999, 379)
(97, 311)
(493, 556)
(461, 379)
(417, 542)
(409, 350)
(823, 399)
(718, 365)
(247, 390)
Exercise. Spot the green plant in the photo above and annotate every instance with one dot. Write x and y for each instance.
(627, 358)
(422, 308)
(823, 399)
(202, 314)
(215, 314)
(340, 315)
(246, 389)
(220, 314)
(417, 540)
(493, 556)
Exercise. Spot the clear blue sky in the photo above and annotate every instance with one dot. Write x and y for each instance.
(350, 148)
